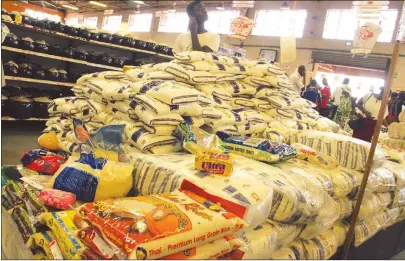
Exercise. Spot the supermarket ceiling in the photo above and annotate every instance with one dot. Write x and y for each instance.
(94, 6)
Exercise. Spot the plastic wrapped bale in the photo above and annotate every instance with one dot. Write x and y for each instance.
(321, 247)
(286, 233)
(152, 227)
(242, 193)
(340, 230)
(398, 170)
(293, 251)
(314, 157)
(257, 243)
(345, 207)
(373, 203)
(309, 171)
(365, 229)
(397, 198)
(386, 180)
(388, 217)
(349, 152)
(91, 178)
(277, 132)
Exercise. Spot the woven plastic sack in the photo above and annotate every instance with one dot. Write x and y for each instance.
(321, 247)
(277, 132)
(373, 203)
(314, 157)
(151, 227)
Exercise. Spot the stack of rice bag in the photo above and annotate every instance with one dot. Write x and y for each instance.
(257, 192)
(396, 133)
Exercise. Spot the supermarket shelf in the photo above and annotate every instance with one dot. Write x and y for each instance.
(22, 79)
(11, 49)
(66, 36)
(5, 118)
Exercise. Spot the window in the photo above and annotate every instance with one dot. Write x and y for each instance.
(112, 23)
(173, 22)
(90, 22)
(74, 21)
(280, 23)
(220, 21)
(139, 22)
(340, 24)
(40, 15)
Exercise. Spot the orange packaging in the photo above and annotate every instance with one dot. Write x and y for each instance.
(152, 227)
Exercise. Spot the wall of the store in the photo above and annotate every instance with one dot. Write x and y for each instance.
(20, 7)
(312, 37)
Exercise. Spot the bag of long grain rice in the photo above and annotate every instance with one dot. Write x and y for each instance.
(245, 191)
(239, 102)
(152, 104)
(148, 117)
(236, 88)
(277, 132)
(345, 207)
(387, 217)
(257, 243)
(152, 227)
(286, 233)
(293, 251)
(216, 90)
(373, 203)
(257, 82)
(321, 247)
(209, 251)
(397, 198)
(349, 152)
(340, 230)
(314, 157)
(365, 229)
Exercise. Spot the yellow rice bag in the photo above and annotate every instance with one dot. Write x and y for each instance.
(62, 226)
(314, 157)
(321, 247)
(294, 251)
(345, 207)
(340, 229)
(47, 242)
(365, 229)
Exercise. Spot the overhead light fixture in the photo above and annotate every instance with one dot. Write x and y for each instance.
(97, 3)
(221, 6)
(243, 4)
(139, 2)
(284, 6)
(74, 8)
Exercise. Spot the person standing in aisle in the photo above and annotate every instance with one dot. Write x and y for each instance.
(198, 38)
(325, 96)
(296, 79)
(395, 108)
(312, 93)
(337, 94)
(345, 109)
(369, 105)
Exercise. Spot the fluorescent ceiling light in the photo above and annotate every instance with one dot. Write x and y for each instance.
(97, 3)
(139, 2)
(71, 7)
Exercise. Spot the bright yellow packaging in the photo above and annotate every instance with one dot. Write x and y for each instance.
(314, 157)
(62, 226)
(212, 161)
(40, 255)
(47, 242)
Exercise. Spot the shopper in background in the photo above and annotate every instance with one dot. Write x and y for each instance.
(325, 96)
(395, 107)
(312, 93)
(345, 109)
(296, 78)
(198, 38)
(369, 105)
(337, 94)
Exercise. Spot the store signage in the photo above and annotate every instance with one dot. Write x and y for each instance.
(109, 12)
(241, 27)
